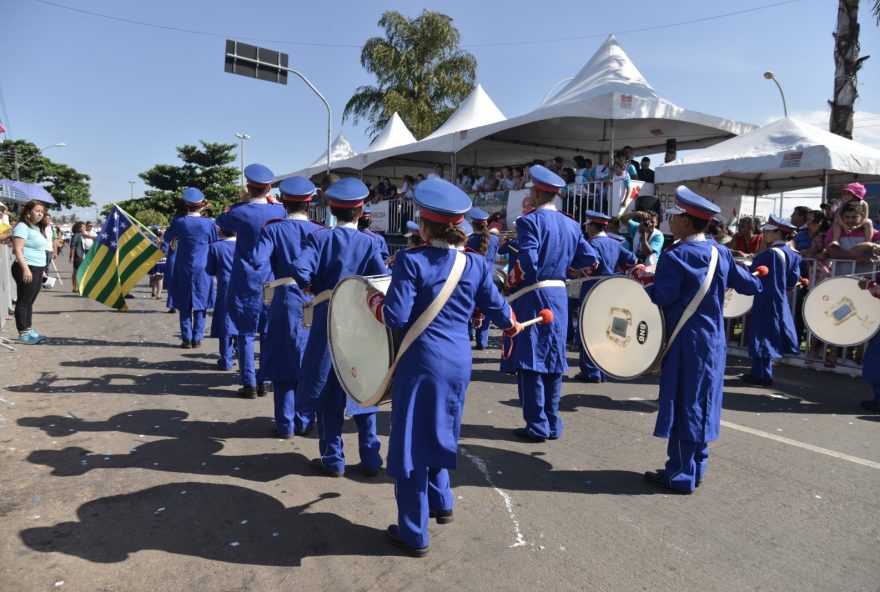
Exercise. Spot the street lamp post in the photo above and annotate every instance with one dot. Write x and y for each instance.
(770, 76)
(28, 159)
(131, 186)
(242, 138)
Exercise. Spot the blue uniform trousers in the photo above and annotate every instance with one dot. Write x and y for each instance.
(227, 352)
(687, 463)
(284, 407)
(250, 375)
(481, 335)
(192, 325)
(425, 490)
(330, 418)
(762, 368)
(876, 389)
(303, 422)
(539, 399)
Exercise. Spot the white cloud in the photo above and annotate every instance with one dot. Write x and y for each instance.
(866, 125)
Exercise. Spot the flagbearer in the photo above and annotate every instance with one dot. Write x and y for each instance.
(279, 246)
(612, 258)
(191, 286)
(549, 244)
(244, 302)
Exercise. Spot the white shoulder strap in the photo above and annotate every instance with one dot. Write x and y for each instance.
(426, 318)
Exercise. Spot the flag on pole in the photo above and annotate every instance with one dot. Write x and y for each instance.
(124, 251)
(2, 129)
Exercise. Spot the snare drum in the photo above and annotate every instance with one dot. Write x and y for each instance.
(623, 332)
(838, 312)
(361, 348)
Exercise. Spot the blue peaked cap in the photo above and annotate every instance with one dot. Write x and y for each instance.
(296, 186)
(191, 195)
(348, 191)
(441, 201)
(258, 173)
(478, 214)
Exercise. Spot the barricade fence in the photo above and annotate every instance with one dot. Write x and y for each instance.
(7, 286)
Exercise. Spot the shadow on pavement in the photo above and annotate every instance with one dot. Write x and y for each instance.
(138, 364)
(206, 384)
(103, 343)
(213, 521)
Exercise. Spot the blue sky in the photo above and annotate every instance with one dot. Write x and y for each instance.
(123, 95)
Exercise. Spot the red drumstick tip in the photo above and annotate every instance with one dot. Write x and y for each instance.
(805, 282)
(546, 316)
(761, 271)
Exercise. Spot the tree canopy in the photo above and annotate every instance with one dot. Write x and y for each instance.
(421, 73)
(206, 167)
(69, 187)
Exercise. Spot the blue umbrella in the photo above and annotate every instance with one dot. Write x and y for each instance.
(10, 192)
(32, 191)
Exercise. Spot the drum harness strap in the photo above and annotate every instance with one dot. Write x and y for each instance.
(308, 307)
(692, 307)
(426, 318)
(505, 351)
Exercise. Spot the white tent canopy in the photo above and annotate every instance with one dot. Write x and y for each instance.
(781, 156)
(394, 134)
(340, 150)
(608, 103)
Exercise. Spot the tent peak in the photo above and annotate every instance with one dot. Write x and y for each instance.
(476, 110)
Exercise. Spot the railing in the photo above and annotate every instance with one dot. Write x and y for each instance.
(7, 286)
(817, 354)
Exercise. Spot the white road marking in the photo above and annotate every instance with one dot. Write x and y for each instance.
(761, 434)
(508, 503)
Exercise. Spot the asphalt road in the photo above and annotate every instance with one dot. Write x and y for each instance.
(127, 463)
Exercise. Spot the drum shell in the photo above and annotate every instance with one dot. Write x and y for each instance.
(361, 349)
(736, 304)
(839, 312)
(622, 331)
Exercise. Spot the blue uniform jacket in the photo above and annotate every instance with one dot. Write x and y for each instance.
(612, 255)
(771, 330)
(191, 287)
(429, 384)
(380, 241)
(221, 253)
(473, 243)
(328, 256)
(247, 315)
(549, 243)
(280, 244)
(692, 375)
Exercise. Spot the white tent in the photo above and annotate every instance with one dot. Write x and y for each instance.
(340, 150)
(607, 104)
(394, 134)
(784, 155)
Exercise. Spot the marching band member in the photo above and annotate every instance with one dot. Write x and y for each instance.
(191, 286)
(612, 258)
(771, 330)
(221, 254)
(692, 374)
(279, 246)
(429, 385)
(413, 234)
(247, 314)
(364, 226)
(485, 244)
(871, 360)
(328, 256)
(549, 243)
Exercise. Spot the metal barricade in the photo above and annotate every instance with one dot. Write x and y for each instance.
(816, 354)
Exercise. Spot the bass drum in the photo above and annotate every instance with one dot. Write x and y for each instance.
(736, 304)
(838, 312)
(361, 348)
(622, 331)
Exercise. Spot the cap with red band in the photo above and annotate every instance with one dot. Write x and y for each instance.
(258, 175)
(347, 192)
(777, 223)
(688, 202)
(543, 179)
(297, 189)
(441, 201)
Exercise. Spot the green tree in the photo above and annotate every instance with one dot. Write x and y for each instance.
(420, 72)
(206, 167)
(847, 64)
(149, 217)
(69, 187)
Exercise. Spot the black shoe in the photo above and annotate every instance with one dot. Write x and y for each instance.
(282, 436)
(305, 432)
(372, 472)
(263, 389)
(749, 379)
(171, 310)
(318, 465)
(698, 483)
(525, 435)
(441, 516)
(394, 539)
(185, 345)
(247, 392)
(871, 406)
(584, 377)
(657, 478)
(196, 344)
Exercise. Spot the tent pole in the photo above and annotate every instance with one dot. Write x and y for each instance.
(824, 186)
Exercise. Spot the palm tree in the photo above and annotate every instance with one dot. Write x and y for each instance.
(847, 64)
(420, 72)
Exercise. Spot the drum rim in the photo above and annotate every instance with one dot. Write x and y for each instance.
(807, 322)
(370, 402)
(752, 296)
(663, 344)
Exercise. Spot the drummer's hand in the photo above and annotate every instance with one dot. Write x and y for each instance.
(478, 322)
(513, 331)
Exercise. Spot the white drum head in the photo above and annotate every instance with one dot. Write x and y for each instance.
(838, 312)
(623, 332)
(361, 348)
(736, 304)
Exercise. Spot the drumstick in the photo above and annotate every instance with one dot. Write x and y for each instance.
(545, 317)
(760, 271)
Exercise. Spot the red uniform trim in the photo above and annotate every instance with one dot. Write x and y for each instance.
(345, 205)
(544, 187)
(440, 218)
(693, 211)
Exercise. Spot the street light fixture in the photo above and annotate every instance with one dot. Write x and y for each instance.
(770, 76)
(18, 164)
(242, 137)
(131, 185)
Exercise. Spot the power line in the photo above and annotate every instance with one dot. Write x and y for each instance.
(357, 46)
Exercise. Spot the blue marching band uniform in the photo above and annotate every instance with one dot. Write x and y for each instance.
(481, 217)
(429, 386)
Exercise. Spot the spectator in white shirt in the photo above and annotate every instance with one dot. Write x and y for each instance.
(438, 173)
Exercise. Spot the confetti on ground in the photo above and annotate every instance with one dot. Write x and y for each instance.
(234, 544)
(243, 522)
(162, 509)
(59, 583)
